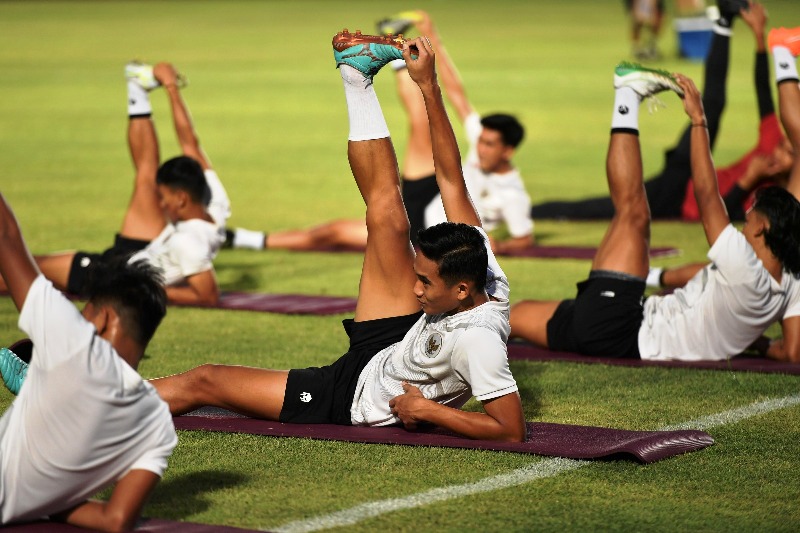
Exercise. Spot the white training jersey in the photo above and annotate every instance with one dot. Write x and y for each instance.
(83, 417)
(449, 358)
(722, 310)
(220, 206)
(498, 198)
(183, 249)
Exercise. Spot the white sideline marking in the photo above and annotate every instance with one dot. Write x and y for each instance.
(539, 470)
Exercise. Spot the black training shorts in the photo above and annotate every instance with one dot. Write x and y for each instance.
(603, 320)
(83, 262)
(324, 395)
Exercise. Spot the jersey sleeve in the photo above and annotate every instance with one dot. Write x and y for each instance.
(54, 325)
(733, 256)
(220, 205)
(480, 357)
(496, 280)
(191, 254)
(516, 209)
(155, 459)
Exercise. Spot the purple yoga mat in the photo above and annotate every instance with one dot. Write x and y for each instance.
(556, 440)
(147, 525)
(741, 363)
(540, 251)
(287, 304)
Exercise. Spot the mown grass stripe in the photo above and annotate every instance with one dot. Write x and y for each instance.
(539, 470)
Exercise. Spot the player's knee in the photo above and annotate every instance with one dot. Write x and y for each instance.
(387, 218)
(204, 381)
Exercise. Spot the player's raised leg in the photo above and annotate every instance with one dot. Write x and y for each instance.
(387, 277)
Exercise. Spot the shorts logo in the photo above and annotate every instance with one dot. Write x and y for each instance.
(434, 344)
(305, 397)
(85, 262)
(608, 294)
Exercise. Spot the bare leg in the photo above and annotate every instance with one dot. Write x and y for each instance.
(255, 392)
(350, 233)
(144, 219)
(418, 159)
(387, 276)
(529, 320)
(625, 246)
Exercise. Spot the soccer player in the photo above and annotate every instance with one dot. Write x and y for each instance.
(670, 193)
(430, 329)
(753, 279)
(177, 212)
(494, 183)
(84, 419)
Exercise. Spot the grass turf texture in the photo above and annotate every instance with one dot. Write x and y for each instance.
(269, 109)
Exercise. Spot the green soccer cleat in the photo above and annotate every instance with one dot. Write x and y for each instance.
(366, 53)
(645, 81)
(142, 73)
(14, 367)
(399, 23)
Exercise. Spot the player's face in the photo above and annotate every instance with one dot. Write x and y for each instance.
(493, 154)
(171, 202)
(434, 295)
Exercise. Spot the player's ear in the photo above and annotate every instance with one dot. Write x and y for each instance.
(97, 315)
(463, 290)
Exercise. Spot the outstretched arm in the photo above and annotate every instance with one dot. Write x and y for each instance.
(199, 289)
(451, 80)
(17, 267)
(706, 190)
(122, 510)
(446, 158)
(502, 421)
(166, 74)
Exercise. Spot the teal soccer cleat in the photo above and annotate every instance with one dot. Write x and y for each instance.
(14, 367)
(366, 53)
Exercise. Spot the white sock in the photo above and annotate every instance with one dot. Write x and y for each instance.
(363, 108)
(397, 64)
(138, 100)
(785, 64)
(626, 109)
(245, 238)
(654, 277)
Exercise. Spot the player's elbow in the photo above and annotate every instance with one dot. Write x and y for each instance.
(518, 433)
(119, 521)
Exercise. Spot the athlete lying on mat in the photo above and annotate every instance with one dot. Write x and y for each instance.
(752, 282)
(405, 365)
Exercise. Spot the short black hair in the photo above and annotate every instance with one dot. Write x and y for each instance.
(509, 127)
(134, 290)
(185, 174)
(783, 235)
(458, 249)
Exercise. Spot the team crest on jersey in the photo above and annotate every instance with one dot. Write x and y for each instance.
(434, 344)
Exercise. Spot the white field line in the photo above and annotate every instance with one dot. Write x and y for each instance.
(539, 470)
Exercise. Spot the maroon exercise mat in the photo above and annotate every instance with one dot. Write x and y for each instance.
(147, 525)
(287, 304)
(741, 363)
(540, 251)
(556, 440)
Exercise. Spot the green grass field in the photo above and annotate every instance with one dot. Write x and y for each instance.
(268, 105)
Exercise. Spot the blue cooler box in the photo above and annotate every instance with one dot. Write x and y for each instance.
(694, 37)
